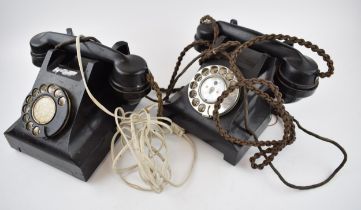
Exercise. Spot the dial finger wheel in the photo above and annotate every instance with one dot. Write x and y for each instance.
(46, 110)
(207, 85)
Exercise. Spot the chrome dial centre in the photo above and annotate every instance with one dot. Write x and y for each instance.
(207, 85)
(43, 110)
(211, 88)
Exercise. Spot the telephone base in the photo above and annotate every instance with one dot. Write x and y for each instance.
(181, 112)
(81, 166)
(81, 169)
(83, 141)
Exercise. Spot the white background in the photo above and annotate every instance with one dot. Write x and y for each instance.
(157, 31)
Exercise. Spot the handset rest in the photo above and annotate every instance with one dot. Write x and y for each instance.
(129, 72)
(297, 75)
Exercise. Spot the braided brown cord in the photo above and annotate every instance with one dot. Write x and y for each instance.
(276, 103)
(155, 87)
(175, 76)
(173, 79)
(208, 19)
(289, 39)
(274, 147)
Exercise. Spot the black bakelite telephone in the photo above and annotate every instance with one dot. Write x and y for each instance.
(59, 124)
(192, 107)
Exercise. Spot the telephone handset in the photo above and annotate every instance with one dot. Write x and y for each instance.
(128, 75)
(59, 124)
(295, 74)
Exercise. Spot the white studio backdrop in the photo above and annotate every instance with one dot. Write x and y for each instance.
(158, 31)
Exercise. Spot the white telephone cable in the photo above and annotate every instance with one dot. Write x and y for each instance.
(136, 132)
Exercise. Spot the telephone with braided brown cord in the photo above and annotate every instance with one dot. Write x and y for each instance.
(267, 68)
(244, 77)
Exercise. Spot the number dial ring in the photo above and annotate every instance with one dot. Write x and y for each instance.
(46, 110)
(207, 85)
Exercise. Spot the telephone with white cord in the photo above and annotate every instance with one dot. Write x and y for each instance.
(59, 124)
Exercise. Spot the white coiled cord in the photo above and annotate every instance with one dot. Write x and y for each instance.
(136, 132)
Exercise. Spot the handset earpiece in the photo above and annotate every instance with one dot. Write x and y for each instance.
(297, 74)
(128, 77)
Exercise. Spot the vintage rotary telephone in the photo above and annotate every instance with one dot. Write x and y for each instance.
(59, 124)
(192, 107)
(244, 77)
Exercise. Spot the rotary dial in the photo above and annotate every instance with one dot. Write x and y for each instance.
(46, 110)
(207, 85)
